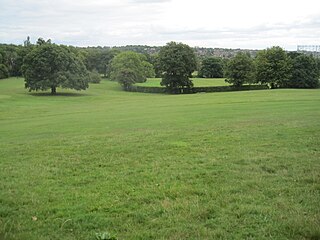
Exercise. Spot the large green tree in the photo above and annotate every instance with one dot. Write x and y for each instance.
(305, 73)
(211, 67)
(273, 67)
(128, 68)
(49, 66)
(240, 70)
(177, 61)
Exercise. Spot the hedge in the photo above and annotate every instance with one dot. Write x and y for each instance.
(146, 89)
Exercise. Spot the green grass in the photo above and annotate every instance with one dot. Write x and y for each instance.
(198, 82)
(235, 165)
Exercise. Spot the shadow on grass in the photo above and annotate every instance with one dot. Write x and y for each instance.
(58, 94)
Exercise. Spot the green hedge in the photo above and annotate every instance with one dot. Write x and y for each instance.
(230, 88)
(146, 89)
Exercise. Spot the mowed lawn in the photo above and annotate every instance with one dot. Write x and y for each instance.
(236, 165)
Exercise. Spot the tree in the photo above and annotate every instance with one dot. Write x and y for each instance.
(211, 67)
(177, 61)
(94, 77)
(41, 41)
(49, 66)
(99, 59)
(128, 68)
(4, 73)
(273, 67)
(12, 57)
(148, 69)
(240, 70)
(305, 73)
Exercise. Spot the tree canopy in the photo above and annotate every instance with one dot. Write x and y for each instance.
(211, 67)
(240, 70)
(305, 73)
(177, 61)
(49, 66)
(273, 67)
(128, 68)
(99, 59)
(4, 73)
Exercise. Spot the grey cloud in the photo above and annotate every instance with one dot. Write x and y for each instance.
(99, 22)
(149, 1)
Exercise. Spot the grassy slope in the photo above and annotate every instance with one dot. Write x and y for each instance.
(151, 166)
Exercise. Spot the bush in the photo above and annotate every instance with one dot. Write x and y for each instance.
(143, 89)
(128, 68)
(4, 73)
(230, 88)
(196, 89)
(94, 77)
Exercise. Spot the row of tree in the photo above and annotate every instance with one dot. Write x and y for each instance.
(275, 67)
(48, 66)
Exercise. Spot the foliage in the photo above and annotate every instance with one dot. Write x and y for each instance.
(240, 70)
(50, 66)
(148, 69)
(305, 73)
(41, 41)
(4, 73)
(12, 57)
(273, 67)
(128, 68)
(197, 82)
(125, 77)
(150, 89)
(211, 67)
(99, 59)
(154, 60)
(177, 61)
(94, 76)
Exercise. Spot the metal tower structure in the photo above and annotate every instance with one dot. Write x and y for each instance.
(310, 49)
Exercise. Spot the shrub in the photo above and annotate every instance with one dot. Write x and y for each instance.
(146, 89)
(94, 77)
(128, 68)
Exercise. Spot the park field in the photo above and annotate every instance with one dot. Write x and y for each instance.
(234, 165)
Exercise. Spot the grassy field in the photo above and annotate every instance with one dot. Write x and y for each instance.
(198, 82)
(236, 165)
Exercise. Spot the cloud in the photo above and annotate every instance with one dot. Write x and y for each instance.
(155, 22)
(149, 1)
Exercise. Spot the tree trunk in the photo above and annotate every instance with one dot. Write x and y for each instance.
(53, 90)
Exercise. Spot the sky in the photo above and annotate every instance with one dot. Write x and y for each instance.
(244, 24)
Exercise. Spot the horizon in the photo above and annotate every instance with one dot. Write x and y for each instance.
(119, 46)
(229, 24)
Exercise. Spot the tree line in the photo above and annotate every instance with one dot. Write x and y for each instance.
(273, 66)
(47, 66)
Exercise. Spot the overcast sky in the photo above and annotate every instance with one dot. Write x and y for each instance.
(252, 24)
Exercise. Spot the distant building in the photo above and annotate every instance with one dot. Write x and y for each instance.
(309, 49)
